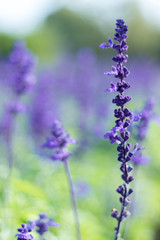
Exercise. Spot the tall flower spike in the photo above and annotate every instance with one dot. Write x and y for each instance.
(124, 118)
(58, 143)
(19, 75)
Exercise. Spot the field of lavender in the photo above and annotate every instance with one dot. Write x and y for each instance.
(59, 174)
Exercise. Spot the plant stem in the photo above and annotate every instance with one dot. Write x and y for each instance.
(131, 207)
(73, 197)
(117, 233)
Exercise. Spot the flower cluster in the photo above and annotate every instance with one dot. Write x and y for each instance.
(146, 116)
(58, 142)
(24, 233)
(124, 118)
(43, 223)
(21, 64)
(41, 226)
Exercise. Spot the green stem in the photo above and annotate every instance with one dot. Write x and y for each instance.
(73, 198)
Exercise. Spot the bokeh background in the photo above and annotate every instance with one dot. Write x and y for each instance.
(65, 81)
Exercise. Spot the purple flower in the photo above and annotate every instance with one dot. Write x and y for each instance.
(58, 142)
(115, 213)
(139, 159)
(51, 142)
(113, 88)
(20, 66)
(61, 155)
(60, 152)
(113, 72)
(15, 108)
(124, 118)
(104, 45)
(19, 76)
(43, 223)
(24, 233)
(31, 225)
(113, 136)
(146, 116)
(43, 108)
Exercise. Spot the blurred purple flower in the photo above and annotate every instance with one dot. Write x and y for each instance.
(139, 159)
(85, 85)
(58, 142)
(147, 115)
(43, 109)
(43, 223)
(82, 189)
(141, 130)
(20, 66)
(146, 76)
(18, 75)
(24, 233)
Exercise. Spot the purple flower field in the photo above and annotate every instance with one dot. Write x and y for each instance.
(79, 130)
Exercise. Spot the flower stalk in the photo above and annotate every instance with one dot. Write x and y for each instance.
(124, 118)
(58, 142)
(73, 198)
(20, 79)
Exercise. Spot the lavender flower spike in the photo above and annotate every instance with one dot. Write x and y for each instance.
(58, 143)
(124, 118)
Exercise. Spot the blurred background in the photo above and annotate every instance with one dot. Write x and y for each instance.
(51, 67)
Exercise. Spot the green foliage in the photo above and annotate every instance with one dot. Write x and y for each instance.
(45, 43)
(76, 30)
(5, 44)
(64, 31)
